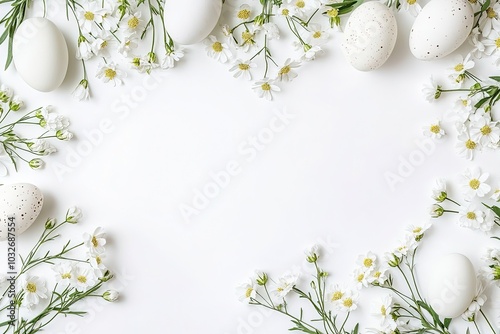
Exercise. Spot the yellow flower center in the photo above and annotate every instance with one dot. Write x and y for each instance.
(435, 128)
(337, 295)
(280, 289)
(248, 293)
(317, 34)
(247, 36)
(31, 287)
(265, 86)
(133, 22)
(243, 67)
(285, 12)
(459, 67)
(348, 302)
(300, 4)
(497, 42)
(284, 70)
(98, 260)
(411, 2)
(473, 1)
(89, 16)
(360, 277)
(465, 103)
(485, 130)
(474, 184)
(334, 12)
(368, 263)
(377, 274)
(383, 310)
(469, 144)
(104, 44)
(417, 230)
(217, 47)
(471, 215)
(111, 76)
(66, 276)
(490, 13)
(244, 14)
(82, 279)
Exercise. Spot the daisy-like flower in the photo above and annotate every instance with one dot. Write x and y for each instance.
(244, 13)
(479, 48)
(439, 192)
(483, 130)
(406, 246)
(300, 7)
(41, 146)
(97, 263)
(360, 276)
(473, 183)
(489, 221)
(95, 242)
(335, 295)
(457, 70)
(217, 50)
(349, 301)
(82, 91)
(312, 254)
(110, 73)
(128, 44)
(247, 40)
(102, 44)
(285, 285)
(89, 16)
(490, 21)
(434, 130)
(109, 21)
(285, 11)
(34, 289)
(172, 57)
(271, 30)
(382, 309)
(466, 147)
(265, 88)
(411, 6)
(246, 291)
(286, 72)
(317, 36)
(310, 52)
(84, 49)
(83, 278)
(471, 217)
(242, 69)
(432, 91)
(417, 231)
(378, 276)
(491, 44)
(73, 215)
(463, 107)
(367, 261)
(496, 194)
(133, 23)
(64, 273)
(332, 14)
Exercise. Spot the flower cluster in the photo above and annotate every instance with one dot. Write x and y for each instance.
(75, 278)
(263, 291)
(14, 145)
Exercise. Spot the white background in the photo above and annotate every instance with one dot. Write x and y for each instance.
(322, 179)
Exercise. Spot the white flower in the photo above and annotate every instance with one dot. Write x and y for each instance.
(489, 221)
(285, 284)
(496, 194)
(301, 7)
(431, 90)
(490, 21)
(466, 147)
(367, 261)
(82, 91)
(479, 47)
(349, 301)
(89, 15)
(109, 21)
(434, 130)
(463, 107)
(243, 69)
(471, 217)
(217, 50)
(473, 183)
(247, 40)
(310, 53)
(84, 50)
(317, 36)
(244, 13)
(97, 263)
(110, 73)
(490, 44)
(382, 309)
(146, 63)
(265, 88)
(312, 253)
(439, 193)
(56, 122)
(95, 242)
(335, 295)
(478, 302)
(6, 93)
(378, 275)
(64, 272)
(172, 57)
(484, 131)
(286, 72)
(41, 146)
(417, 231)
(457, 70)
(271, 30)
(34, 289)
(73, 215)
(83, 278)
(411, 6)
(133, 23)
(247, 291)
(360, 277)
(406, 246)
(128, 44)
(111, 295)
(102, 44)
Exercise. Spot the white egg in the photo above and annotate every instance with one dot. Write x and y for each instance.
(23, 202)
(369, 36)
(441, 27)
(40, 54)
(451, 285)
(191, 21)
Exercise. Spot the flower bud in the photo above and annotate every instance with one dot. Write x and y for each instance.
(107, 276)
(36, 163)
(436, 211)
(73, 215)
(394, 262)
(111, 295)
(64, 135)
(261, 279)
(313, 285)
(50, 223)
(16, 103)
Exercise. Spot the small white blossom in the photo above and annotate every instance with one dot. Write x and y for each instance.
(132, 23)
(34, 289)
(247, 291)
(471, 217)
(271, 30)
(434, 130)
(244, 13)
(89, 15)
(490, 21)
(466, 147)
(439, 192)
(285, 284)
(217, 50)
(286, 72)
(316, 36)
(349, 301)
(172, 57)
(82, 91)
(110, 73)
(128, 44)
(473, 183)
(95, 242)
(83, 278)
(458, 69)
(84, 49)
(411, 6)
(64, 273)
(242, 69)
(265, 88)
(431, 90)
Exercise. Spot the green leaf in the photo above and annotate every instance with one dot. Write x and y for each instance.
(356, 329)
(496, 78)
(447, 322)
(485, 5)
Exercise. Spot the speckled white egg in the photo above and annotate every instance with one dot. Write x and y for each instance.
(441, 27)
(451, 285)
(23, 201)
(40, 54)
(369, 36)
(191, 21)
